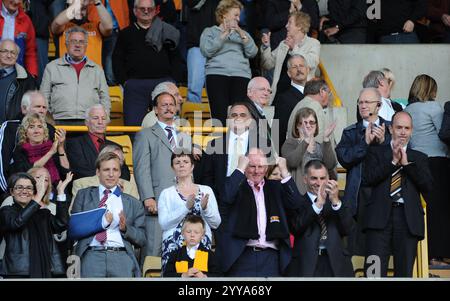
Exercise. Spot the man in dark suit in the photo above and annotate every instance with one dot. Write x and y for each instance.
(351, 152)
(255, 240)
(258, 97)
(82, 151)
(394, 220)
(319, 224)
(284, 103)
(109, 253)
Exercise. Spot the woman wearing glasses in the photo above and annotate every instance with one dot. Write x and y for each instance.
(31, 251)
(227, 49)
(301, 147)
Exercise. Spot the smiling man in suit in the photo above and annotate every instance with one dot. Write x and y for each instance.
(394, 221)
(82, 151)
(109, 253)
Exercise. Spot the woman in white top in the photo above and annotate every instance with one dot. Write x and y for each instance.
(185, 198)
(427, 117)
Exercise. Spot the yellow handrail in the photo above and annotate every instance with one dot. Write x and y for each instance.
(134, 129)
(337, 100)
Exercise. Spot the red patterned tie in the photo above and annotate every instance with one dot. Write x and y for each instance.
(101, 236)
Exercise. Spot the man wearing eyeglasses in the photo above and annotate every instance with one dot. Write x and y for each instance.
(14, 81)
(17, 26)
(74, 83)
(351, 151)
(82, 13)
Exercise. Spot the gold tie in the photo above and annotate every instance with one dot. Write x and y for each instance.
(237, 151)
(396, 184)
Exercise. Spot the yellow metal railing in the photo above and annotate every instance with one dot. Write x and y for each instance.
(337, 102)
(134, 129)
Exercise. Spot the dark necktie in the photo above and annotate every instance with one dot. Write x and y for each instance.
(101, 236)
(170, 137)
(323, 230)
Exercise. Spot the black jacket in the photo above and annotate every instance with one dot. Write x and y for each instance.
(347, 13)
(416, 179)
(14, 226)
(181, 255)
(444, 133)
(24, 82)
(284, 105)
(82, 154)
(304, 224)
(199, 19)
(39, 12)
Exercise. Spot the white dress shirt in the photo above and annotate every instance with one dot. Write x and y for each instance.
(174, 132)
(115, 206)
(231, 147)
(298, 87)
(191, 251)
(10, 23)
(386, 111)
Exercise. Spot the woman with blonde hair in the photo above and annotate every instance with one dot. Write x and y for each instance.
(427, 115)
(301, 147)
(227, 49)
(34, 149)
(296, 42)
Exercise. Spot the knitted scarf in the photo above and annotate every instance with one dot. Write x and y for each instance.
(36, 152)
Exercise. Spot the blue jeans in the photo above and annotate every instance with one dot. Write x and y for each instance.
(196, 74)
(108, 47)
(400, 38)
(42, 53)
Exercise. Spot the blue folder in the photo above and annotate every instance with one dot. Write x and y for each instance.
(86, 223)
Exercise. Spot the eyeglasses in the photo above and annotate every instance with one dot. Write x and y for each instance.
(296, 67)
(366, 102)
(236, 115)
(310, 122)
(24, 188)
(145, 9)
(264, 90)
(11, 52)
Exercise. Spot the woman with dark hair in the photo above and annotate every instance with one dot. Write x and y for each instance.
(427, 117)
(31, 251)
(34, 149)
(301, 147)
(184, 198)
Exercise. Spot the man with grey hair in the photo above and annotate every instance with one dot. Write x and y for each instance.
(32, 102)
(169, 87)
(14, 81)
(376, 79)
(76, 14)
(82, 151)
(73, 83)
(297, 70)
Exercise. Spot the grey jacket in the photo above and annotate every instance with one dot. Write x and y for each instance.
(88, 199)
(227, 56)
(70, 97)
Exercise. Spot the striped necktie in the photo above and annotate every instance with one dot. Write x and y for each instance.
(396, 184)
(101, 236)
(170, 137)
(323, 229)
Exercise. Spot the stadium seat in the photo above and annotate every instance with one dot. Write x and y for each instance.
(127, 146)
(152, 267)
(116, 96)
(188, 110)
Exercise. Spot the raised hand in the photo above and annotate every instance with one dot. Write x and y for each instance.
(378, 132)
(204, 201)
(190, 201)
(369, 135)
(63, 184)
(265, 39)
(243, 162)
(329, 130)
(332, 190)
(122, 221)
(321, 196)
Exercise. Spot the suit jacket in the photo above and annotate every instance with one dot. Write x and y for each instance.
(88, 199)
(230, 247)
(284, 104)
(444, 132)
(82, 154)
(304, 224)
(416, 179)
(152, 166)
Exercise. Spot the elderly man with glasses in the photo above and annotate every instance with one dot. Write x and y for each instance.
(14, 81)
(74, 83)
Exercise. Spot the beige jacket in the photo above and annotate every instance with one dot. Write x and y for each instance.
(309, 48)
(69, 97)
